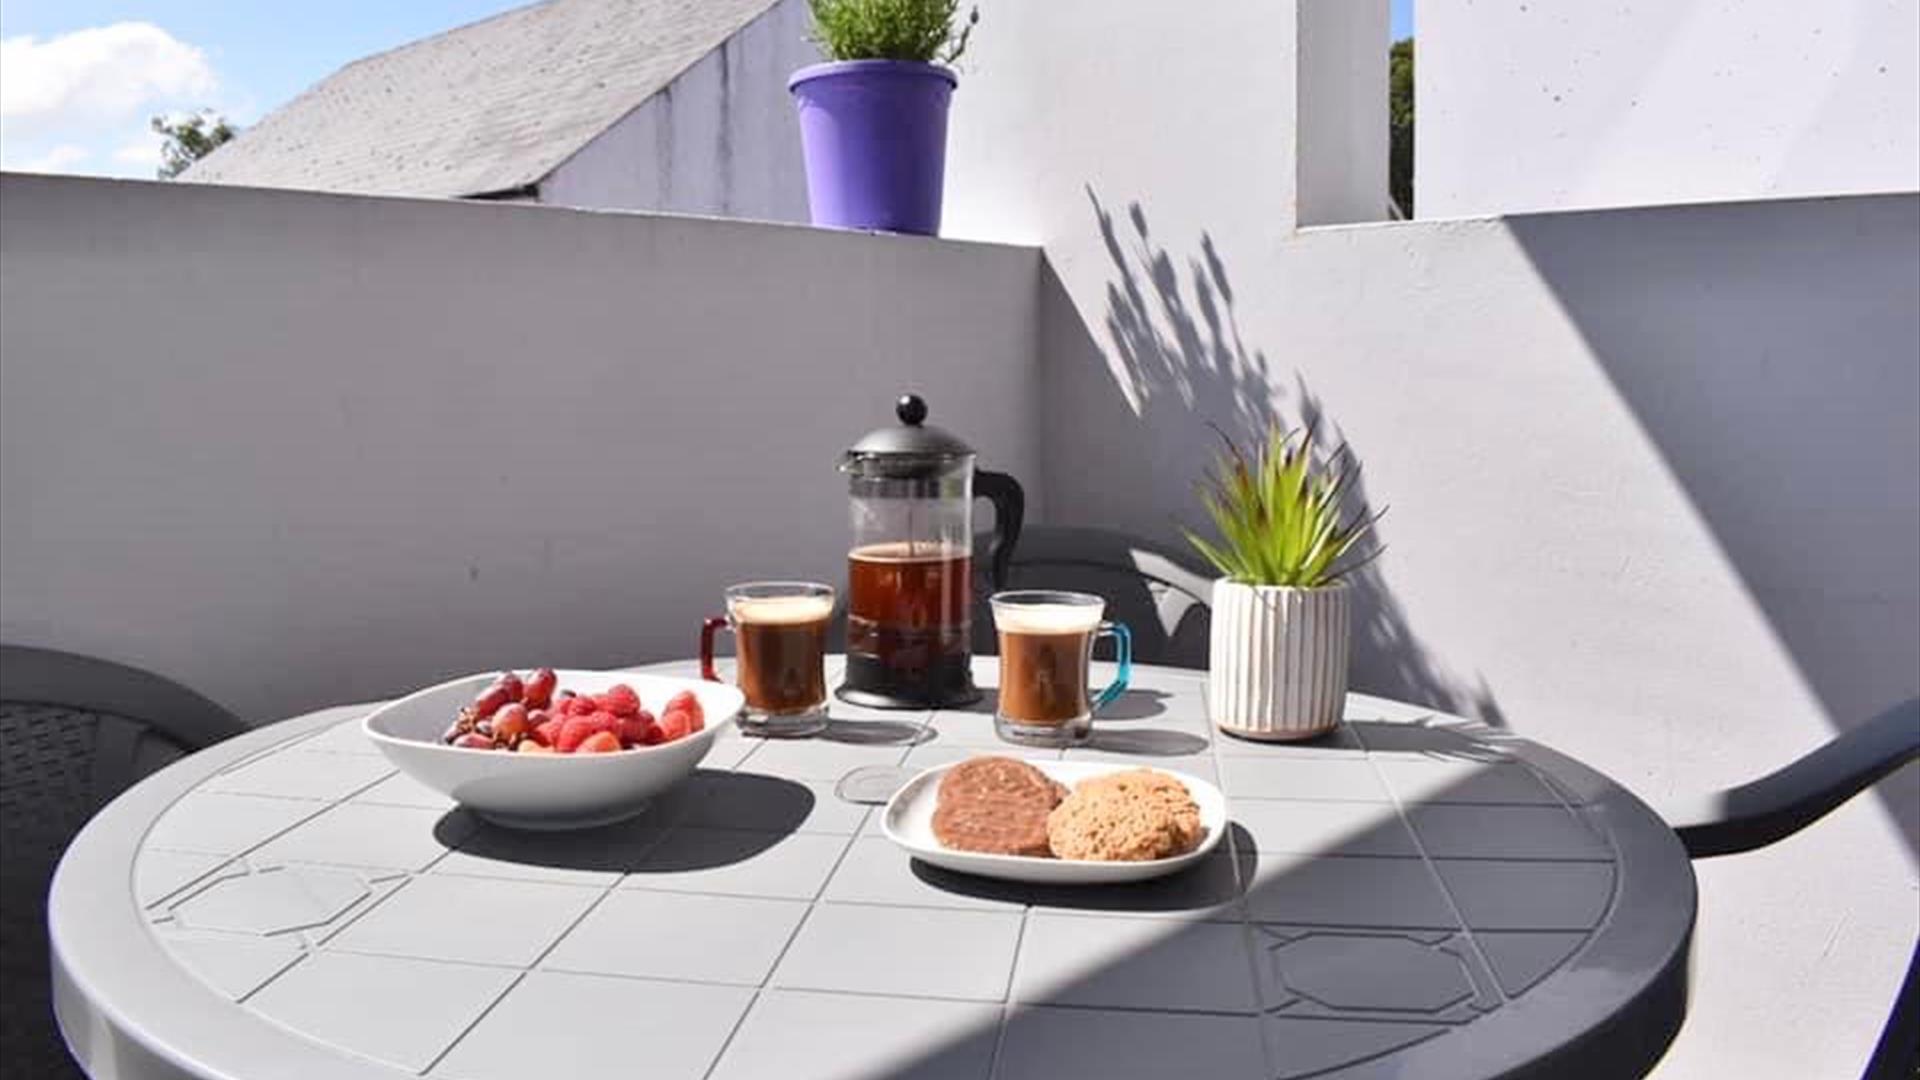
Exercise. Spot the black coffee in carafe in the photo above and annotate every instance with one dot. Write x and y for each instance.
(909, 619)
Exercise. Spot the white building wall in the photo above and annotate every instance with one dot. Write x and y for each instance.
(1650, 473)
(722, 139)
(1561, 104)
(295, 449)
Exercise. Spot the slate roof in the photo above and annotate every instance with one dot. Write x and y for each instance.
(482, 109)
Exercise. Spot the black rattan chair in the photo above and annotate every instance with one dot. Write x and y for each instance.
(76, 732)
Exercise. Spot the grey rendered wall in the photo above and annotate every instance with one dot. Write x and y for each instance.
(293, 449)
(1651, 473)
(721, 139)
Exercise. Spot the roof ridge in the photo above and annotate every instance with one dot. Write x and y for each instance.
(435, 36)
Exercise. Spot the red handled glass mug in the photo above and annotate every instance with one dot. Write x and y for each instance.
(780, 639)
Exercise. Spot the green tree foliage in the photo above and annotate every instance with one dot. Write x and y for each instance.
(930, 31)
(1400, 124)
(190, 138)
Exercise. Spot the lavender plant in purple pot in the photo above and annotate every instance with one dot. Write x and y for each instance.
(873, 118)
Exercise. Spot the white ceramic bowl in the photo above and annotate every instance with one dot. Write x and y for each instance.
(908, 822)
(547, 791)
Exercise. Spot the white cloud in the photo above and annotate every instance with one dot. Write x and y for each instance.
(144, 152)
(96, 78)
(61, 158)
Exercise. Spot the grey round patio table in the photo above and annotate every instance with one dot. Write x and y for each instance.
(1412, 896)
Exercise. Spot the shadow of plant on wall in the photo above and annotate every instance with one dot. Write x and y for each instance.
(1183, 365)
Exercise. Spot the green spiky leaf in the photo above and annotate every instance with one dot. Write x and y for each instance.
(1280, 513)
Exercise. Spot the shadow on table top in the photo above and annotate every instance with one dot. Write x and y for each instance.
(1146, 742)
(1135, 704)
(875, 733)
(762, 811)
(1209, 886)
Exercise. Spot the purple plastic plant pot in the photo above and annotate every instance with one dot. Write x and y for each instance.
(874, 134)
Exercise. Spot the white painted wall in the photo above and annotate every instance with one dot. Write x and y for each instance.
(722, 139)
(296, 449)
(1558, 104)
(1651, 472)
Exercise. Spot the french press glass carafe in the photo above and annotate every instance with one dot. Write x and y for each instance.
(910, 571)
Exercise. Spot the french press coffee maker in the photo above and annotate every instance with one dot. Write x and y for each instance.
(910, 571)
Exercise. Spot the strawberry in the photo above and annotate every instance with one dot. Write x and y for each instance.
(620, 701)
(600, 742)
(574, 730)
(675, 724)
(634, 729)
(580, 706)
(547, 732)
(686, 702)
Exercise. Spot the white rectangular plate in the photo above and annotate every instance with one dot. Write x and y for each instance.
(908, 822)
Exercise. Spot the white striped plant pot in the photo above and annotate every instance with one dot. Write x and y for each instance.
(1277, 660)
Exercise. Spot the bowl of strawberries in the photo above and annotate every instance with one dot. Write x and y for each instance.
(554, 749)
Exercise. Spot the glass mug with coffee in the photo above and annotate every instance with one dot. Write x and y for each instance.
(780, 639)
(1046, 650)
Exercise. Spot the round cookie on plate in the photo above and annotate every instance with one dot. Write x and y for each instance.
(997, 805)
(1128, 816)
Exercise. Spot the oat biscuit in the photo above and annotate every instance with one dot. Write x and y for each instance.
(1158, 786)
(1125, 817)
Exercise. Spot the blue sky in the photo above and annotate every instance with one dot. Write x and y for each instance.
(79, 78)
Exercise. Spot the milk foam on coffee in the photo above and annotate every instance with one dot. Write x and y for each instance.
(1047, 618)
(782, 610)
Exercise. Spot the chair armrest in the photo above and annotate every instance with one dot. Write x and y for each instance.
(1782, 803)
(50, 677)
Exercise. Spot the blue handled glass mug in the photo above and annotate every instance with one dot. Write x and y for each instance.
(1046, 651)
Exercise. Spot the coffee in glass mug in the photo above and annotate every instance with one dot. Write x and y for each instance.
(1046, 650)
(780, 638)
